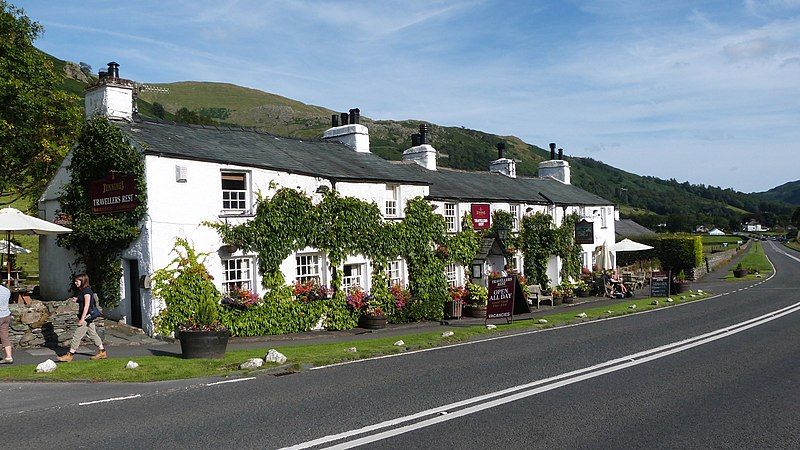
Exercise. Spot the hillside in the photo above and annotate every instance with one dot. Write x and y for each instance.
(787, 193)
(651, 201)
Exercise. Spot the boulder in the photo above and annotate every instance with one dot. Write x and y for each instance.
(447, 334)
(132, 365)
(582, 315)
(542, 321)
(275, 356)
(46, 367)
(351, 350)
(491, 326)
(400, 343)
(253, 363)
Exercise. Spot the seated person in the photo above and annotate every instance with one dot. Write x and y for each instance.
(618, 285)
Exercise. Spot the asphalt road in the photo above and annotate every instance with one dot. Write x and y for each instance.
(645, 380)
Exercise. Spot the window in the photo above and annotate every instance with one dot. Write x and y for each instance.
(450, 272)
(394, 272)
(234, 192)
(391, 200)
(307, 268)
(237, 273)
(514, 209)
(352, 276)
(603, 218)
(450, 216)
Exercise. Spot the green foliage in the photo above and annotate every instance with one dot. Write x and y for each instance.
(477, 295)
(38, 120)
(567, 249)
(158, 110)
(463, 246)
(99, 239)
(187, 290)
(282, 316)
(536, 241)
(678, 252)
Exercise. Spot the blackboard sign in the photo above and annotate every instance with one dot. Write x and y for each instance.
(584, 232)
(501, 298)
(659, 284)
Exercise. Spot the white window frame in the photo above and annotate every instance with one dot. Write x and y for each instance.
(451, 217)
(451, 273)
(392, 204)
(514, 209)
(238, 200)
(308, 267)
(603, 218)
(351, 281)
(394, 272)
(238, 272)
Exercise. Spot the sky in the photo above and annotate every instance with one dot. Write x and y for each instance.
(700, 91)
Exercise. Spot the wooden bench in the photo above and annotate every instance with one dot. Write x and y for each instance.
(536, 295)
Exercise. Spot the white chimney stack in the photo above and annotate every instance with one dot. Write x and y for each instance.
(421, 152)
(555, 168)
(350, 133)
(503, 165)
(111, 96)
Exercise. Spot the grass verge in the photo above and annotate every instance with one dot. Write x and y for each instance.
(160, 368)
(754, 259)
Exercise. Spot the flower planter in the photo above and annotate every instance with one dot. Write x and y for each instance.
(478, 312)
(452, 309)
(582, 294)
(740, 273)
(557, 300)
(568, 299)
(681, 287)
(372, 322)
(203, 344)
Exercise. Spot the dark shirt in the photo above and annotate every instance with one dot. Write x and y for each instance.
(82, 301)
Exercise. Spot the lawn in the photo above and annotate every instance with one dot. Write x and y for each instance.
(753, 259)
(793, 244)
(158, 368)
(713, 244)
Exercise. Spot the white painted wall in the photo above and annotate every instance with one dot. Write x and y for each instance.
(114, 101)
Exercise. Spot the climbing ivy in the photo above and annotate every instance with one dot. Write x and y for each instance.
(567, 248)
(536, 242)
(98, 240)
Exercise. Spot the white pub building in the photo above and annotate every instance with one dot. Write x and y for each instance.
(197, 173)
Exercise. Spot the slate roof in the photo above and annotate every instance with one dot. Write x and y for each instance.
(627, 228)
(330, 160)
(450, 184)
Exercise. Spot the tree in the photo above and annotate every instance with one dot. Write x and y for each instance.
(796, 217)
(86, 68)
(38, 121)
(158, 110)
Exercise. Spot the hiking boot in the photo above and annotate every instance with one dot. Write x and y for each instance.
(100, 355)
(67, 357)
(7, 361)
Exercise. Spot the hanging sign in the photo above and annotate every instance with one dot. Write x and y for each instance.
(584, 232)
(114, 193)
(481, 216)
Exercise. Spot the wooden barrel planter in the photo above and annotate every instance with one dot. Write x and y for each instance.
(478, 312)
(681, 287)
(740, 273)
(203, 344)
(568, 300)
(372, 323)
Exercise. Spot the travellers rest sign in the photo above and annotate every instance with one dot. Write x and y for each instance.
(481, 216)
(114, 193)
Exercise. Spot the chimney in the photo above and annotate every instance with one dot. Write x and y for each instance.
(334, 121)
(111, 96)
(503, 165)
(557, 169)
(350, 132)
(421, 152)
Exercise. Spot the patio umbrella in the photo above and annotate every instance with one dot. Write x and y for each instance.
(14, 250)
(15, 221)
(627, 245)
(603, 257)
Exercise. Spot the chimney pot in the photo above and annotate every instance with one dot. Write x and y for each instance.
(113, 70)
(561, 153)
(423, 134)
(552, 150)
(344, 117)
(415, 139)
(102, 74)
(355, 116)
(334, 120)
(501, 148)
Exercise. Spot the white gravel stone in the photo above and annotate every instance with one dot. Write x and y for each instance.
(491, 326)
(609, 312)
(252, 363)
(654, 302)
(132, 365)
(542, 321)
(582, 315)
(46, 367)
(670, 300)
(275, 356)
(400, 343)
(447, 334)
(351, 350)
(632, 307)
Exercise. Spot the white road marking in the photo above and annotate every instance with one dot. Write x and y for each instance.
(235, 380)
(110, 400)
(498, 398)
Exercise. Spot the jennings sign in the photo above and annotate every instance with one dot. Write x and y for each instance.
(481, 216)
(114, 193)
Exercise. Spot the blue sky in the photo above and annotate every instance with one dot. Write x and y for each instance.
(706, 92)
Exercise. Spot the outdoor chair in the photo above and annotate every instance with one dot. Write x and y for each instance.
(536, 295)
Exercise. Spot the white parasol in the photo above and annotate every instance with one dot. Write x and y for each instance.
(603, 257)
(15, 221)
(627, 245)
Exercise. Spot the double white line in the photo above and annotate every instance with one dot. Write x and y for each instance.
(394, 427)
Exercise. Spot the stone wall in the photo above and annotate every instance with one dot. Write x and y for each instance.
(44, 323)
(718, 259)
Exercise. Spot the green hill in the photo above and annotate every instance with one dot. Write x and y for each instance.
(649, 200)
(787, 193)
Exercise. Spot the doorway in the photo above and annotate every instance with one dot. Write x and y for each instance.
(135, 299)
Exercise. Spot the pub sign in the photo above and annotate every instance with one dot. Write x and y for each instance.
(481, 215)
(584, 232)
(114, 193)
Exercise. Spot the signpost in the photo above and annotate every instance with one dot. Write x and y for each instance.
(659, 284)
(114, 193)
(481, 216)
(584, 232)
(505, 299)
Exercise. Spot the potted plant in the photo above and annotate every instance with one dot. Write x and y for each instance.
(557, 295)
(453, 307)
(681, 285)
(372, 316)
(739, 271)
(582, 289)
(567, 292)
(241, 299)
(191, 300)
(476, 300)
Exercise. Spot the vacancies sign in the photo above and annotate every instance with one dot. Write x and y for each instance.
(114, 193)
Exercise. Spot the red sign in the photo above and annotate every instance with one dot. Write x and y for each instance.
(114, 193)
(501, 298)
(481, 216)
